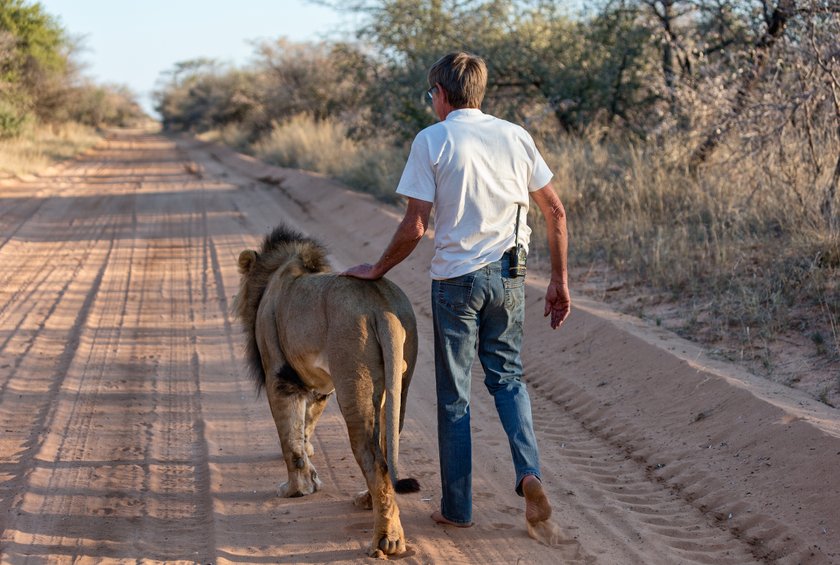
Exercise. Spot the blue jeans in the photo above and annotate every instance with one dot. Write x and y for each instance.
(481, 311)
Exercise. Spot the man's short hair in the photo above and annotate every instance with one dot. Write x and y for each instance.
(463, 76)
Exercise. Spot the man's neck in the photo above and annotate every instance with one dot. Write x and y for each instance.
(449, 109)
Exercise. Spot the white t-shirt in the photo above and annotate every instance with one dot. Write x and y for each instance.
(476, 169)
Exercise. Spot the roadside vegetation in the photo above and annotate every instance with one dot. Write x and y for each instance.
(37, 147)
(696, 145)
(48, 110)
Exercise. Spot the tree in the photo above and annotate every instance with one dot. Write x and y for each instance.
(38, 53)
(776, 23)
(319, 79)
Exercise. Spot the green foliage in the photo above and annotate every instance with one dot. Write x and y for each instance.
(103, 105)
(35, 49)
(39, 41)
(39, 78)
(201, 96)
(11, 120)
(285, 80)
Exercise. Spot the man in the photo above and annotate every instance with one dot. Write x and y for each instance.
(477, 172)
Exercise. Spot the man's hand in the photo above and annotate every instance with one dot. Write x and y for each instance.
(365, 272)
(405, 239)
(558, 303)
(557, 300)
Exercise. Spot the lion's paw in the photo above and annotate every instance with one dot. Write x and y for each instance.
(287, 491)
(388, 546)
(363, 500)
(300, 483)
(316, 482)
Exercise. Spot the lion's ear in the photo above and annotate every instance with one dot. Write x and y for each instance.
(247, 260)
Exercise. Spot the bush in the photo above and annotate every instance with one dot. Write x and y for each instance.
(100, 106)
(376, 170)
(372, 166)
(306, 143)
(12, 121)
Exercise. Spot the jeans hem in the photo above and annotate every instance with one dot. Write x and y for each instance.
(453, 520)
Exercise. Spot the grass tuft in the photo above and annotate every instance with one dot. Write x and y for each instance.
(39, 146)
(325, 146)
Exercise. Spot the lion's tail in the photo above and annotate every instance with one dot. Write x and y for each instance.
(392, 338)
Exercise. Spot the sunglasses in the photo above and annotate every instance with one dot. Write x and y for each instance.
(429, 92)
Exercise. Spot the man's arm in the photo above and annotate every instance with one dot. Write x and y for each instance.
(408, 235)
(558, 303)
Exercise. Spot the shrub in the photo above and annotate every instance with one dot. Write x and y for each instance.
(12, 121)
(372, 166)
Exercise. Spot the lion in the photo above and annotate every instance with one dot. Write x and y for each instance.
(309, 333)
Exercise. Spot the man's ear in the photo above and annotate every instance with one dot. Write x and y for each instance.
(443, 91)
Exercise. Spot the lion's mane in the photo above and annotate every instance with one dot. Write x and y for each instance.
(283, 246)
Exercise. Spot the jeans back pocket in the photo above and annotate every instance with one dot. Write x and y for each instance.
(455, 294)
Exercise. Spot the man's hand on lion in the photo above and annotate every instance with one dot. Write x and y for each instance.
(364, 271)
(558, 303)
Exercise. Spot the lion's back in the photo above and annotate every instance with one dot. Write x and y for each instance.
(355, 297)
(324, 308)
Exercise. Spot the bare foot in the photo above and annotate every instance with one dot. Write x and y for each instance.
(441, 519)
(537, 508)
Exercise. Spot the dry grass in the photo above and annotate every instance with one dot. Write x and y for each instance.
(737, 258)
(323, 146)
(40, 146)
(306, 143)
(233, 135)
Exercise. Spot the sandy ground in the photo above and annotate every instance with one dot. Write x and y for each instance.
(129, 431)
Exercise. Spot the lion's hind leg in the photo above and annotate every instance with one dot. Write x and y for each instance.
(388, 535)
(288, 408)
(314, 408)
(357, 409)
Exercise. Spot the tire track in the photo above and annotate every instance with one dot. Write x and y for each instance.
(21, 469)
(35, 206)
(202, 473)
(157, 464)
(82, 426)
(177, 436)
(43, 330)
(43, 265)
(75, 436)
(584, 437)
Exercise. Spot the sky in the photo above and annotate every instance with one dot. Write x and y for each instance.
(129, 42)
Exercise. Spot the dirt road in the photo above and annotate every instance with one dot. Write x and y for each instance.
(130, 432)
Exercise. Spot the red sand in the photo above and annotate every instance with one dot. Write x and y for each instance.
(129, 430)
